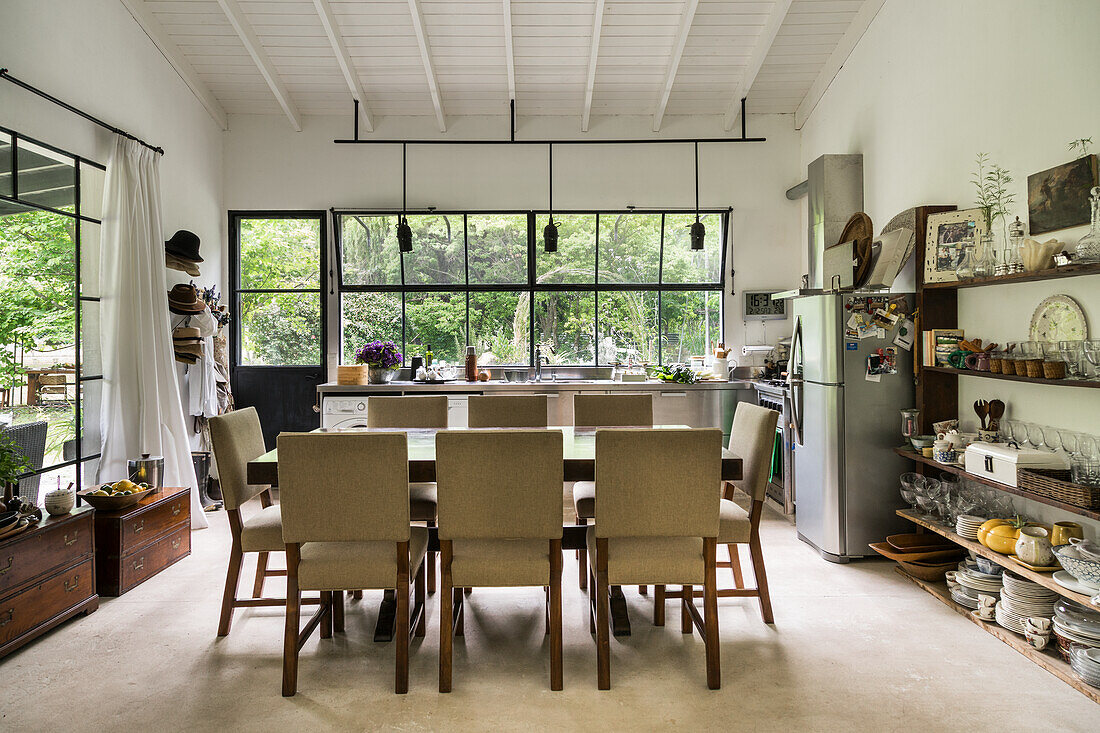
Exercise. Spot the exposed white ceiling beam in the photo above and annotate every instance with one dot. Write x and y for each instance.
(171, 53)
(256, 50)
(593, 55)
(686, 19)
(426, 57)
(509, 55)
(760, 51)
(328, 20)
(836, 60)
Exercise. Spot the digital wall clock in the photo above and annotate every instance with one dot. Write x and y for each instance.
(761, 306)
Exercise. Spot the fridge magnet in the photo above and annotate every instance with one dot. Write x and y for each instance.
(890, 360)
(851, 345)
(885, 318)
(874, 368)
(904, 336)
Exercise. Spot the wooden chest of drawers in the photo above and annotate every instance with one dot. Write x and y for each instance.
(135, 544)
(47, 575)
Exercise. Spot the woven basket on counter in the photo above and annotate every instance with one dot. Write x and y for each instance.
(1054, 370)
(1055, 484)
(1034, 368)
(351, 374)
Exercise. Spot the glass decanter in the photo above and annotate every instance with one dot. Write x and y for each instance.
(1088, 247)
(984, 257)
(965, 269)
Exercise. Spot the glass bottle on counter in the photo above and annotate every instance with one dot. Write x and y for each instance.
(965, 269)
(471, 364)
(1088, 247)
(428, 356)
(984, 257)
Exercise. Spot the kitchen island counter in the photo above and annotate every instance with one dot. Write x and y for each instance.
(525, 387)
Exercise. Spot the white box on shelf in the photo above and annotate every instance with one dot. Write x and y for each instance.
(998, 461)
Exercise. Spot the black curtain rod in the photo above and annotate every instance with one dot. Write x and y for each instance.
(49, 97)
(638, 141)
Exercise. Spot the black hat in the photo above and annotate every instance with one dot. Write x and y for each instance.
(184, 245)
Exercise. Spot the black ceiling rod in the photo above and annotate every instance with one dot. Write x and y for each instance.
(65, 105)
(742, 117)
(575, 141)
(356, 123)
(512, 128)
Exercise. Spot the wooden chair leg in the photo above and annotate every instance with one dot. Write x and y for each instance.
(261, 570)
(229, 596)
(357, 595)
(757, 557)
(658, 605)
(290, 633)
(546, 609)
(326, 619)
(401, 632)
(735, 565)
(556, 663)
(603, 627)
(685, 615)
(710, 615)
(643, 589)
(338, 611)
(420, 597)
(460, 622)
(430, 559)
(446, 618)
(591, 602)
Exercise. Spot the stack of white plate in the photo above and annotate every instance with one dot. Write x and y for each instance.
(967, 526)
(1026, 599)
(973, 579)
(965, 597)
(1076, 623)
(1086, 664)
(1009, 620)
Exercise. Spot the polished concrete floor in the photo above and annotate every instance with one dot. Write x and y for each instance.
(854, 647)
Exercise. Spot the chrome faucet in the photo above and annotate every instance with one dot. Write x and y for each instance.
(539, 361)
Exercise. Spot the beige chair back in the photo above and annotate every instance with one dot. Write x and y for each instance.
(237, 438)
(499, 484)
(507, 411)
(344, 487)
(658, 482)
(752, 439)
(429, 411)
(612, 410)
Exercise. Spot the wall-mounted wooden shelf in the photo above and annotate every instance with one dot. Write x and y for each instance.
(947, 468)
(1019, 277)
(1013, 377)
(1048, 659)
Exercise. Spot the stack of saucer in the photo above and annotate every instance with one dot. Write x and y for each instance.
(1022, 599)
(973, 579)
(967, 526)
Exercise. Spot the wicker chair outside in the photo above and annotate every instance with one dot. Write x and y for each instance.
(31, 438)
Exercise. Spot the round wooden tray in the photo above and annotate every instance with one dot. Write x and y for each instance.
(860, 231)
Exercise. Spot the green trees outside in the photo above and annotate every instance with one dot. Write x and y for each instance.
(489, 251)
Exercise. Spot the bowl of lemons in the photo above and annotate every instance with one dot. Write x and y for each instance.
(119, 495)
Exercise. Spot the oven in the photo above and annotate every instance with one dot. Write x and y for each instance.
(774, 395)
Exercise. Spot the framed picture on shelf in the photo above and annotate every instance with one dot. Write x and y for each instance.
(1058, 198)
(944, 242)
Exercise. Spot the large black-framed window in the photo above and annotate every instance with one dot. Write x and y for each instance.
(50, 219)
(623, 285)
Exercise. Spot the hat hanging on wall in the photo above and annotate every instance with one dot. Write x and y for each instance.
(183, 300)
(181, 252)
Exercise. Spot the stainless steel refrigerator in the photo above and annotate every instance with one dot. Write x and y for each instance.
(846, 425)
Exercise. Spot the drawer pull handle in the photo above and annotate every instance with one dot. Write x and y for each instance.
(176, 543)
(10, 615)
(176, 509)
(139, 527)
(138, 564)
(7, 567)
(68, 541)
(70, 587)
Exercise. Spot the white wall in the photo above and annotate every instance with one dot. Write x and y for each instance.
(93, 55)
(269, 166)
(929, 86)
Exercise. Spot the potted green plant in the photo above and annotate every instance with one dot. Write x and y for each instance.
(13, 464)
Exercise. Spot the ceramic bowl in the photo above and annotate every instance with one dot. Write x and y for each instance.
(1086, 571)
(59, 502)
(922, 441)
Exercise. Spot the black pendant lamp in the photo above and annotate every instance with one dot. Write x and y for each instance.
(404, 231)
(698, 231)
(550, 232)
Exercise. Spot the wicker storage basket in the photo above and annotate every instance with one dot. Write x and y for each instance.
(1020, 367)
(995, 364)
(1054, 370)
(1055, 484)
(1034, 367)
(351, 374)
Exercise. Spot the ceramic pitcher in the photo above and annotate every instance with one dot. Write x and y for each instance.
(1033, 547)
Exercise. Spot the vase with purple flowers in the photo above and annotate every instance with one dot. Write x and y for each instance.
(382, 360)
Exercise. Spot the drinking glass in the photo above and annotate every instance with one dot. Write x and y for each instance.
(1088, 447)
(1051, 438)
(1035, 435)
(1069, 440)
(927, 506)
(1091, 349)
(1070, 352)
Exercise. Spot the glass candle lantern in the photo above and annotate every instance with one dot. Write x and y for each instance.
(909, 425)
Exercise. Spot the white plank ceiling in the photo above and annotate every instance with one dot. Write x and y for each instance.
(464, 47)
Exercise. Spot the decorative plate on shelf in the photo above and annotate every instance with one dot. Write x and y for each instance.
(1058, 318)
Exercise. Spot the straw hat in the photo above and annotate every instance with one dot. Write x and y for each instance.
(184, 300)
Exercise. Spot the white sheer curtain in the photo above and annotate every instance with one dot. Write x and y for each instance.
(142, 411)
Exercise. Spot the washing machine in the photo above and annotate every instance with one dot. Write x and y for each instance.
(344, 412)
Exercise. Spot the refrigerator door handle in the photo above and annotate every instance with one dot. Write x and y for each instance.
(794, 381)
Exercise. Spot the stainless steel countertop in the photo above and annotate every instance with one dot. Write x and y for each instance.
(498, 386)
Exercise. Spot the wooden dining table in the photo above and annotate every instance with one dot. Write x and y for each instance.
(579, 464)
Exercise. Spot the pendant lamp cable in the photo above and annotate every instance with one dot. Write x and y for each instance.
(550, 233)
(404, 231)
(698, 231)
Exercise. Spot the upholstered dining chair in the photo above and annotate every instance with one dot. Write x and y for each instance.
(499, 525)
(603, 410)
(657, 522)
(345, 500)
(237, 439)
(413, 411)
(752, 438)
(507, 411)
